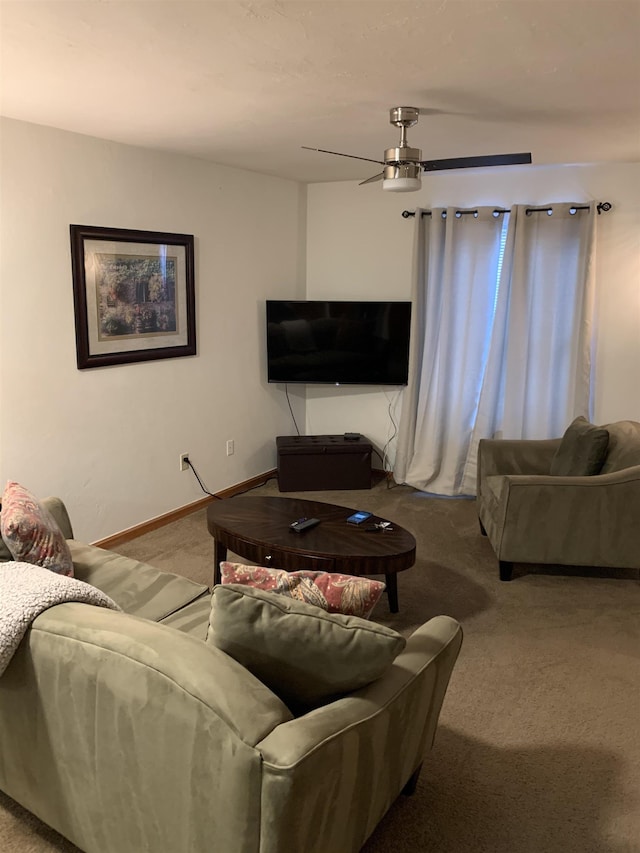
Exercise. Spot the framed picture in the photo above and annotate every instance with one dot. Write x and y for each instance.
(134, 295)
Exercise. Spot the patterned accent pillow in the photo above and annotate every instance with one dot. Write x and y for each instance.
(334, 593)
(31, 533)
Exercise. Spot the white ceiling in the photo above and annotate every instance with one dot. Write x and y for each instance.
(246, 83)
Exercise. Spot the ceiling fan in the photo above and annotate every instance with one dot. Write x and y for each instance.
(403, 165)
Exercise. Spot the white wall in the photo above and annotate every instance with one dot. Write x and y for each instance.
(108, 439)
(360, 247)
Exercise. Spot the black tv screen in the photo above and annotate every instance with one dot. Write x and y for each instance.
(350, 343)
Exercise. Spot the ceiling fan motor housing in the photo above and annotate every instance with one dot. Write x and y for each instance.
(402, 155)
(401, 170)
(401, 177)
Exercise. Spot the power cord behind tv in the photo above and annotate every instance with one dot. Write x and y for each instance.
(293, 417)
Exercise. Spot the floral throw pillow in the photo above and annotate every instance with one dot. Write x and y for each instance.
(31, 533)
(335, 593)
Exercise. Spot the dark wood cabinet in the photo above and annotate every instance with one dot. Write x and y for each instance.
(316, 462)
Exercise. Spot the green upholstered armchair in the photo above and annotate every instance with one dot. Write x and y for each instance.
(534, 516)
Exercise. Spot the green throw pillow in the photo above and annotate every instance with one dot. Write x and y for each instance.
(302, 653)
(582, 451)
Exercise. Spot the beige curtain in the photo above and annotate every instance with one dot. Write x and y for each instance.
(549, 321)
(502, 336)
(456, 266)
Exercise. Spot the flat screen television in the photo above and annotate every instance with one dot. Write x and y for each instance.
(336, 343)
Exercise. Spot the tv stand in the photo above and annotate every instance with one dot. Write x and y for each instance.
(318, 462)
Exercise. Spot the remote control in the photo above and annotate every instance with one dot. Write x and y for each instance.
(303, 524)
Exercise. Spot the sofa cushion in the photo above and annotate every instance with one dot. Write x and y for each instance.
(138, 588)
(302, 653)
(333, 592)
(582, 450)
(624, 446)
(193, 619)
(31, 533)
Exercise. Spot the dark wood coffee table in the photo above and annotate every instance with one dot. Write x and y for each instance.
(257, 528)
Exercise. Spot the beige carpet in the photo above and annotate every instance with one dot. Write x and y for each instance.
(538, 749)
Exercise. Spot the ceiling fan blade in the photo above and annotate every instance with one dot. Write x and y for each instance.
(476, 162)
(372, 180)
(353, 156)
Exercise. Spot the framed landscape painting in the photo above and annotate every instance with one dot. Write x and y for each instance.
(134, 295)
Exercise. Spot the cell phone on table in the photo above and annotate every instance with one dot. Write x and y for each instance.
(359, 517)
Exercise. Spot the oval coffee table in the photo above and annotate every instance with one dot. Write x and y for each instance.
(258, 529)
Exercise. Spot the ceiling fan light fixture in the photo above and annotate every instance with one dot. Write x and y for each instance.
(402, 178)
(402, 185)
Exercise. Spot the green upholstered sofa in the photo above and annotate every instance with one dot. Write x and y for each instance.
(127, 732)
(533, 516)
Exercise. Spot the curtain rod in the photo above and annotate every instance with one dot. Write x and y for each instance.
(602, 206)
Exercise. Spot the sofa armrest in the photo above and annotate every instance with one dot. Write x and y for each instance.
(347, 761)
(140, 737)
(593, 481)
(537, 514)
(515, 456)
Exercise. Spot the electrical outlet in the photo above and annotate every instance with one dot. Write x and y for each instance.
(230, 447)
(183, 461)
